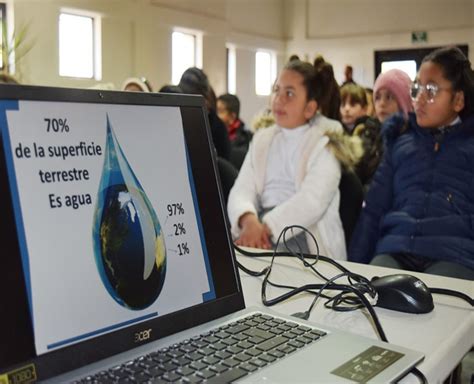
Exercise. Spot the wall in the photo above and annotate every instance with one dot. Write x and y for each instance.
(136, 35)
(245, 81)
(254, 25)
(136, 40)
(325, 27)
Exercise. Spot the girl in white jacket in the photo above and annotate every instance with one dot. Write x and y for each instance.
(291, 174)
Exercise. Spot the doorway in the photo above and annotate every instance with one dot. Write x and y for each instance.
(408, 60)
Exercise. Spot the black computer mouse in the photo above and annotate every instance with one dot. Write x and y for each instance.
(404, 293)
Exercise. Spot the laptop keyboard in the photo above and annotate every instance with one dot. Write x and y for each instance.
(222, 355)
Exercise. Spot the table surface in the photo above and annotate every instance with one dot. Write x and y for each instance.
(444, 335)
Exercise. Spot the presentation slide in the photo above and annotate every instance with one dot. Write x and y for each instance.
(109, 228)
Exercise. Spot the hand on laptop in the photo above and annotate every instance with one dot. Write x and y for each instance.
(254, 233)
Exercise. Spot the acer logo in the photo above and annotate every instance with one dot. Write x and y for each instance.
(142, 335)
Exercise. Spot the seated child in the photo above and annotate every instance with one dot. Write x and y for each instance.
(228, 110)
(195, 81)
(353, 105)
(290, 174)
(357, 123)
(392, 95)
(419, 211)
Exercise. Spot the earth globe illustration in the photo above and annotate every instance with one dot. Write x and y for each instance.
(129, 245)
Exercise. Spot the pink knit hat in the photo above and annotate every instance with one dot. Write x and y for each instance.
(398, 83)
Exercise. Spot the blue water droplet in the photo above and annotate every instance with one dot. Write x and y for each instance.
(129, 244)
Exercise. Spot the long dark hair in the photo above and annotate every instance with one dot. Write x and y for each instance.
(195, 81)
(331, 101)
(457, 69)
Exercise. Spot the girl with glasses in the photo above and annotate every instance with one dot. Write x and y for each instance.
(419, 211)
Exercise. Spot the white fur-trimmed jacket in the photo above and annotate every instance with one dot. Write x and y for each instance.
(315, 205)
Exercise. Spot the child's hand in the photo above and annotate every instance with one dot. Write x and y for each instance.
(254, 233)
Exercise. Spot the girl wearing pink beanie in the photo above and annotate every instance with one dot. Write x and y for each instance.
(392, 94)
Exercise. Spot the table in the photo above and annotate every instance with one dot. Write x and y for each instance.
(444, 335)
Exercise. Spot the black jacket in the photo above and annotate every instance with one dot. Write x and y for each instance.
(220, 136)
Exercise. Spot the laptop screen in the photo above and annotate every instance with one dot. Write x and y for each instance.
(112, 223)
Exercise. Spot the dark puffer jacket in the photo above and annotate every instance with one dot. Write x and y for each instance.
(421, 200)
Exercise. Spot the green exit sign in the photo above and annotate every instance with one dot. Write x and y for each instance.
(419, 37)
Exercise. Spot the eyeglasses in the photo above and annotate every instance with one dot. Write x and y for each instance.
(430, 90)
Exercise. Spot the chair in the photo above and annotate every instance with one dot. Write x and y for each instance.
(237, 156)
(351, 198)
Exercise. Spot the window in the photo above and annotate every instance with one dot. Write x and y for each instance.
(186, 53)
(265, 72)
(3, 34)
(231, 70)
(403, 59)
(79, 45)
(407, 66)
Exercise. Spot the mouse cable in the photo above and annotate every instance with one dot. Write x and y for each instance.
(419, 375)
(329, 285)
(360, 282)
(286, 254)
(350, 302)
(450, 292)
(283, 286)
(250, 272)
(299, 255)
(305, 315)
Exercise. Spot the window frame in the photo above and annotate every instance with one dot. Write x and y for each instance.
(416, 54)
(197, 51)
(3, 19)
(231, 65)
(96, 42)
(272, 71)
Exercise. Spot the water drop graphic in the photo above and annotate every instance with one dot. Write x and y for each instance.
(129, 244)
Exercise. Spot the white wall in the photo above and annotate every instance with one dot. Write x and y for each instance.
(136, 35)
(136, 40)
(246, 47)
(349, 32)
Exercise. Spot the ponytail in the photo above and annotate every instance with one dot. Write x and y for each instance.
(320, 85)
(330, 101)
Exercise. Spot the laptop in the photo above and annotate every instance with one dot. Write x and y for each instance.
(117, 263)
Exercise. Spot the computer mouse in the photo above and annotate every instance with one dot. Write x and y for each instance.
(404, 293)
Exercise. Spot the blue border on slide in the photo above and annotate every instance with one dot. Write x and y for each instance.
(12, 105)
(99, 331)
(211, 294)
